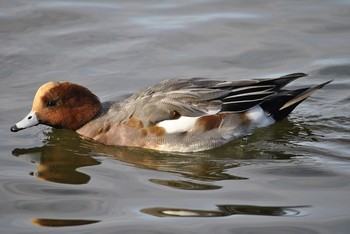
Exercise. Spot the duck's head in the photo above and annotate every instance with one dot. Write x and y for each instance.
(61, 105)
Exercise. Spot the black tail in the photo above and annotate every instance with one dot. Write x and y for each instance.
(283, 103)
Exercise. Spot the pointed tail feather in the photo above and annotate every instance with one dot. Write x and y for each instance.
(280, 105)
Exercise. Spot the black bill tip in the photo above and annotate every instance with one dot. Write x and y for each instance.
(14, 128)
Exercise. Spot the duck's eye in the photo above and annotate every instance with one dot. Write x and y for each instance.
(51, 103)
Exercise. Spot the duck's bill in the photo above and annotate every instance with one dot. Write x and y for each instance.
(29, 121)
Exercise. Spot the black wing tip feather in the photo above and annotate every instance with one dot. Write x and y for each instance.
(282, 81)
(295, 75)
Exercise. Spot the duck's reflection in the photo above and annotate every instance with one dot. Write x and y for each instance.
(57, 160)
(62, 222)
(64, 152)
(226, 210)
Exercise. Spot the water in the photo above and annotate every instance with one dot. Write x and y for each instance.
(292, 177)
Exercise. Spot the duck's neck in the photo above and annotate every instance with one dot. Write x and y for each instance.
(83, 105)
(87, 113)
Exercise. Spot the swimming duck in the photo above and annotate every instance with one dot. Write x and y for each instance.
(174, 115)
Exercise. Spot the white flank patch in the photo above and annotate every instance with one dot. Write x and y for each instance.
(259, 117)
(181, 124)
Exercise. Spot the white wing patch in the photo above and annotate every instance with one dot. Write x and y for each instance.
(184, 123)
(181, 124)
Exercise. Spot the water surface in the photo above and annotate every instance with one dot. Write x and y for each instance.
(292, 177)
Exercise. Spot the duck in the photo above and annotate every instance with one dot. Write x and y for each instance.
(176, 115)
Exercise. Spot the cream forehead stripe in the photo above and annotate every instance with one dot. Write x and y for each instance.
(41, 92)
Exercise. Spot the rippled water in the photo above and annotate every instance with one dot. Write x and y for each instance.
(293, 177)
